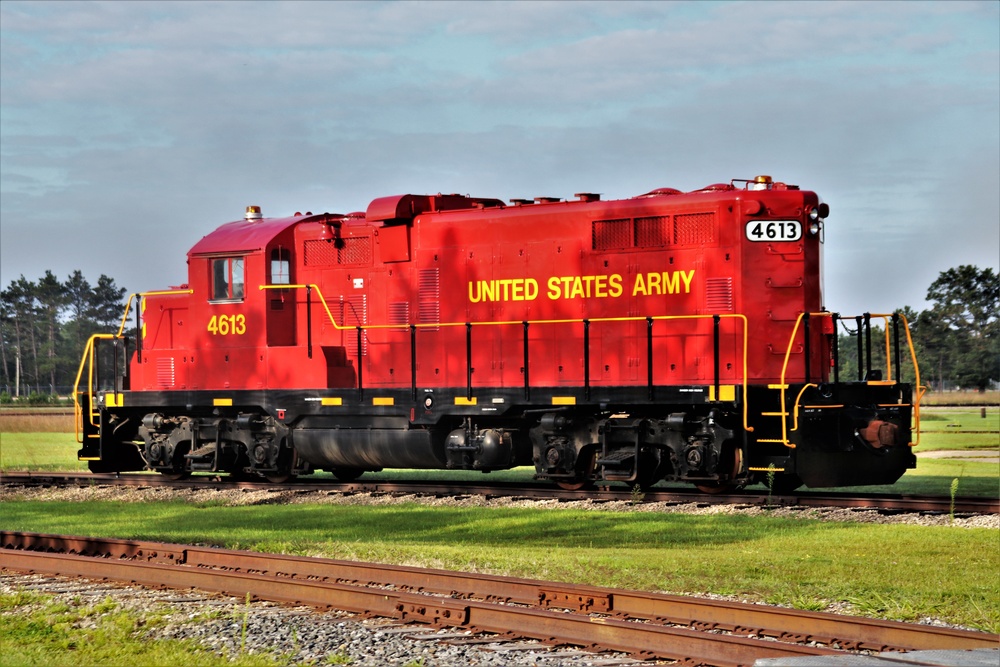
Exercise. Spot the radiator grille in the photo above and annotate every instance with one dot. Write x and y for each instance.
(652, 232)
(612, 234)
(319, 253)
(345, 251)
(355, 251)
(694, 229)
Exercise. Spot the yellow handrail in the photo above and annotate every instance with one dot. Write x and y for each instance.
(87, 362)
(634, 318)
(919, 390)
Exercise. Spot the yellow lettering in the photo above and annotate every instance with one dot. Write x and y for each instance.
(615, 283)
(653, 282)
(640, 286)
(577, 288)
(600, 286)
(554, 288)
(686, 276)
(475, 298)
(530, 289)
(671, 282)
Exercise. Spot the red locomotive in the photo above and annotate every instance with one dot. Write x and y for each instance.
(677, 336)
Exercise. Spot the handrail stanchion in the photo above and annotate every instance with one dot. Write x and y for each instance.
(868, 346)
(361, 385)
(895, 347)
(586, 359)
(527, 384)
(861, 367)
(309, 326)
(649, 356)
(806, 349)
(413, 361)
(836, 349)
(468, 360)
(715, 353)
(138, 331)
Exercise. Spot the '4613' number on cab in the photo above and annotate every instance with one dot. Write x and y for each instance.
(227, 325)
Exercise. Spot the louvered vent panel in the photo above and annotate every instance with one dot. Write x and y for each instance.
(612, 234)
(694, 229)
(354, 311)
(399, 313)
(319, 253)
(430, 298)
(653, 232)
(719, 295)
(165, 371)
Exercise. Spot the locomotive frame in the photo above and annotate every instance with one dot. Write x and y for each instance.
(577, 381)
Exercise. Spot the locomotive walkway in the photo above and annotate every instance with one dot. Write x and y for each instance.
(645, 625)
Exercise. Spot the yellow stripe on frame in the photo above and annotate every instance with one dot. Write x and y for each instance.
(222, 401)
(564, 400)
(336, 400)
(727, 392)
(766, 469)
(114, 400)
(462, 400)
(383, 400)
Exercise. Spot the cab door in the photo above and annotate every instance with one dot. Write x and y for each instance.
(281, 303)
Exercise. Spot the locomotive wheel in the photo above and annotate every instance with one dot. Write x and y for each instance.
(279, 478)
(175, 476)
(582, 480)
(715, 488)
(574, 484)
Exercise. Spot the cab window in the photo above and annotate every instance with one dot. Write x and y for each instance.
(227, 279)
(280, 266)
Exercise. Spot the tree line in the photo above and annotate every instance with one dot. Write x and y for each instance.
(45, 324)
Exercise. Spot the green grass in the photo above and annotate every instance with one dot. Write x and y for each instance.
(39, 451)
(894, 571)
(41, 631)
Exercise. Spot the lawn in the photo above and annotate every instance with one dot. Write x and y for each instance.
(897, 571)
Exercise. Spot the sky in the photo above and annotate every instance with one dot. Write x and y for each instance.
(129, 130)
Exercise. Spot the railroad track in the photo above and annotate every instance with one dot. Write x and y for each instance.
(888, 503)
(644, 625)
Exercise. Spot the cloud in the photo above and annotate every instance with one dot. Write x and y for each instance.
(129, 130)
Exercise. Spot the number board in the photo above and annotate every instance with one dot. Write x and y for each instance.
(774, 230)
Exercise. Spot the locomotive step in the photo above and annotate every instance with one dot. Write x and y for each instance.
(617, 459)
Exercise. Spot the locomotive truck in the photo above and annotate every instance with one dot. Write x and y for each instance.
(676, 336)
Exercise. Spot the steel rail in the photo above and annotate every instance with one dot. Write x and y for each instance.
(783, 624)
(878, 501)
(640, 639)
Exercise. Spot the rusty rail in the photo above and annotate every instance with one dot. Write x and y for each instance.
(600, 617)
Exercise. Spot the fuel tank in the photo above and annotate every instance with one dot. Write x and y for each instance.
(368, 448)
